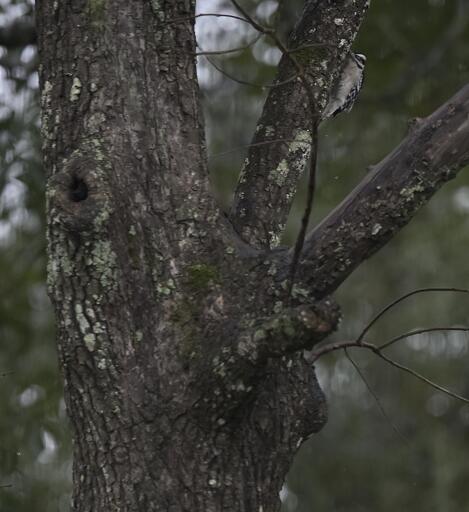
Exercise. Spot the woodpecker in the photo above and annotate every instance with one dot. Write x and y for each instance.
(348, 85)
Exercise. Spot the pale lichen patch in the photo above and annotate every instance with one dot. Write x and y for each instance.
(84, 327)
(298, 292)
(166, 288)
(103, 258)
(280, 174)
(274, 239)
(103, 216)
(75, 90)
(45, 96)
(409, 192)
(302, 141)
(376, 229)
(102, 364)
(90, 341)
(98, 328)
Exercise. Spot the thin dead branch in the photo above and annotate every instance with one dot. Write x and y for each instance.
(247, 146)
(421, 377)
(230, 50)
(205, 15)
(246, 82)
(389, 306)
(375, 396)
(421, 331)
(360, 342)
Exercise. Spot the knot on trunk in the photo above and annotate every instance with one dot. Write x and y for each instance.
(293, 329)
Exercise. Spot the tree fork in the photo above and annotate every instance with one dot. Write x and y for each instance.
(179, 344)
(176, 398)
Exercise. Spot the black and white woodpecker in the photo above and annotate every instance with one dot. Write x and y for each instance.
(348, 85)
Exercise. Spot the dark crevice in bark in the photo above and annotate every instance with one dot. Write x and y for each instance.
(78, 189)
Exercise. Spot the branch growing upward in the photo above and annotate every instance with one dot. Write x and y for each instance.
(314, 111)
(268, 182)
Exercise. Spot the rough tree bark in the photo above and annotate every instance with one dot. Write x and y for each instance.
(180, 349)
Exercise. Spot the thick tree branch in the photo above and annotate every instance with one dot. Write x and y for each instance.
(270, 174)
(388, 198)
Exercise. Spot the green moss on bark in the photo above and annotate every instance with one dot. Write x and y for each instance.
(202, 277)
(97, 11)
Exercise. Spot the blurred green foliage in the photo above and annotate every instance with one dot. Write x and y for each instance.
(418, 55)
(34, 439)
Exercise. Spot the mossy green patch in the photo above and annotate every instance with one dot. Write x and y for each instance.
(97, 9)
(305, 55)
(202, 277)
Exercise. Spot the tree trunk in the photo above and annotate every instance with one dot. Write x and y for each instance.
(180, 347)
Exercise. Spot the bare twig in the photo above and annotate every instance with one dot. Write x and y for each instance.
(375, 396)
(204, 15)
(268, 31)
(421, 331)
(251, 145)
(378, 350)
(399, 300)
(252, 21)
(315, 354)
(245, 82)
(421, 377)
(343, 345)
(230, 50)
